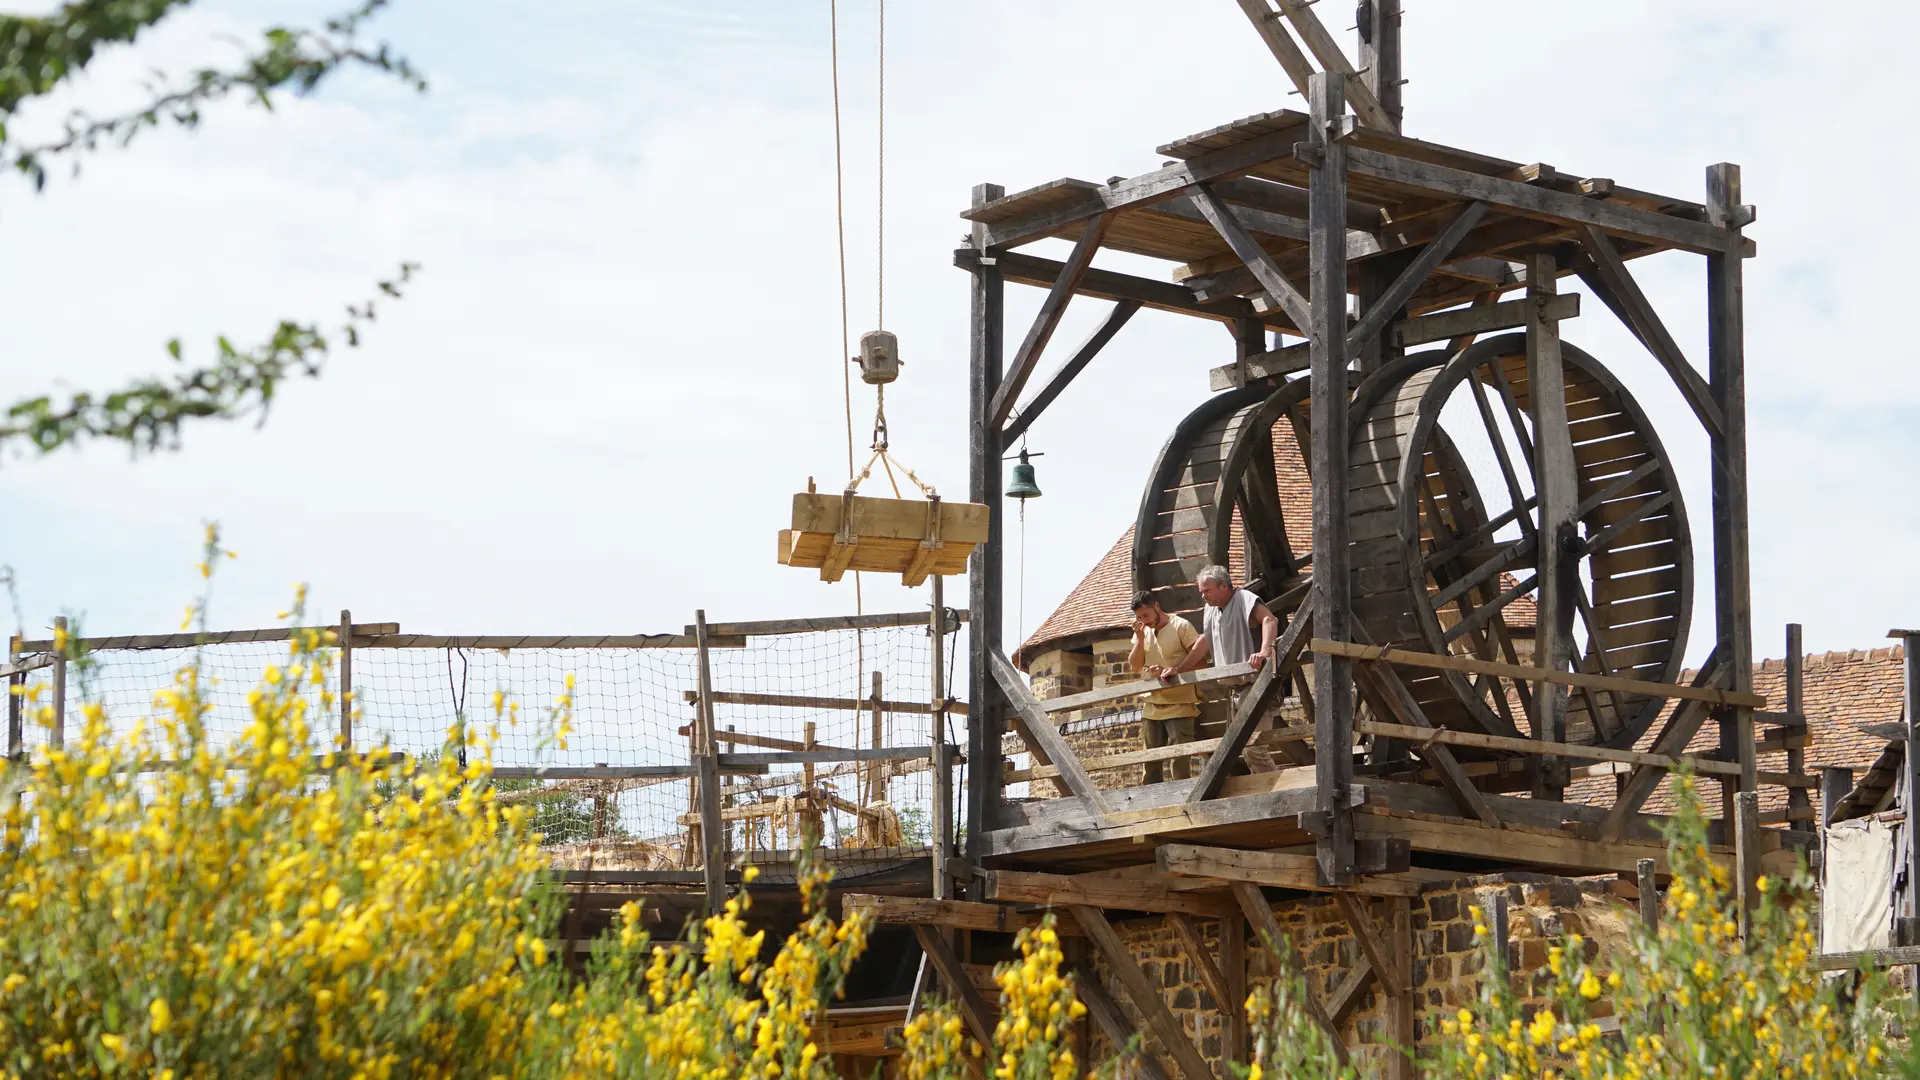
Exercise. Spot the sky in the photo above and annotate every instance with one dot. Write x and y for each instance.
(622, 354)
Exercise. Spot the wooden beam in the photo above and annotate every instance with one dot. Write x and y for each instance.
(1746, 856)
(1254, 904)
(1556, 485)
(1276, 868)
(1269, 686)
(1447, 325)
(1210, 974)
(1292, 60)
(1164, 183)
(507, 642)
(1249, 251)
(1143, 686)
(713, 832)
(1390, 302)
(1347, 994)
(1672, 740)
(1402, 703)
(1610, 280)
(1899, 956)
(949, 914)
(1160, 753)
(1042, 737)
(1559, 850)
(1475, 666)
(1354, 910)
(1112, 1022)
(191, 640)
(1403, 1002)
(1027, 357)
(1126, 894)
(1365, 105)
(819, 624)
(1025, 269)
(804, 757)
(1024, 418)
(986, 330)
(1146, 997)
(1178, 817)
(1536, 201)
(1697, 762)
(1332, 589)
(973, 1008)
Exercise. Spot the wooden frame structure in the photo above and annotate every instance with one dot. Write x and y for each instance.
(1273, 224)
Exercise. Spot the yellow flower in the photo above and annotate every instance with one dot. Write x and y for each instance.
(161, 1016)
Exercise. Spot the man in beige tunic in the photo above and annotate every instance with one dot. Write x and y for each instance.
(1160, 641)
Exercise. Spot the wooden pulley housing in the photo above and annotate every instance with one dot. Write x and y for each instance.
(909, 537)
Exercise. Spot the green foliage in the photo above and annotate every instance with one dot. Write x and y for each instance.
(37, 56)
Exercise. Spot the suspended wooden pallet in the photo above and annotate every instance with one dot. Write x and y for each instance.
(909, 537)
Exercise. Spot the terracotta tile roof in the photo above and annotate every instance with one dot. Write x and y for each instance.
(1099, 604)
(1842, 690)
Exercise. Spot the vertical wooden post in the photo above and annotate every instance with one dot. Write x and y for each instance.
(877, 770)
(1233, 965)
(1799, 800)
(1726, 371)
(985, 703)
(1402, 1003)
(1746, 855)
(58, 736)
(1649, 895)
(1911, 640)
(345, 634)
(938, 819)
(16, 704)
(1835, 783)
(1558, 492)
(1380, 55)
(1497, 926)
(713, 835)
(810, 816)
(1332, 611)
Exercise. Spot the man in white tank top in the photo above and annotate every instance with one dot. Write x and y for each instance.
(1230, 617)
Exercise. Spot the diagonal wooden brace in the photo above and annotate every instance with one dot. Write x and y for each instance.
(1268, 687)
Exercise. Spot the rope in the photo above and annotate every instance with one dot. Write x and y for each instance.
(840, 227)
(880, 213)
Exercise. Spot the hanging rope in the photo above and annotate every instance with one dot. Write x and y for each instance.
(880, 200)
(840, 227)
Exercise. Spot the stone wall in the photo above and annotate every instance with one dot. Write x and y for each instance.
(1447, 965)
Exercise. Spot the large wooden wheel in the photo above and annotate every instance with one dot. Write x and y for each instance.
(1435, 566)
(1633, 579)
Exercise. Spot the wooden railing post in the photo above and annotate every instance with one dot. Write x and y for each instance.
(1649, 895)
(16, 704)
(713, 836)
(346, 681)
(58, 736)
(939, 825)
(1799, 800)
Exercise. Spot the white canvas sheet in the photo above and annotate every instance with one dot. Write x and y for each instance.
(1856, 894)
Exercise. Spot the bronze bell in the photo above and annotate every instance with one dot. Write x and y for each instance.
(1022, 486)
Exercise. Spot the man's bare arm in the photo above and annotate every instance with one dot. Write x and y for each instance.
(1269, 629)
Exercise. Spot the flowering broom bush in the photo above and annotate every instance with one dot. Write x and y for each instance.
(1691, 1000)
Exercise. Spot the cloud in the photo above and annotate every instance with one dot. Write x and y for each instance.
(624, 352)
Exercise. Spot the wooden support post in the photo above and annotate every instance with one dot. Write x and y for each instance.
(985, 703)
(1332, 599)
(939, 820)
(1799, 800)
(1112, 1022)
(1910, 802)
(877, 770)
(1266, 929)
(1557, 487)
(1726, 371)
(16, 704)
(1835, 783)
(1403, 1004)
(1210, 974)
(1380, 56)
(1233, 963)
(346, 681)
(1649, 895)
(973, 1008)
(1497, 927)
(58, 736)
(713, 831)
(1146, 996)
(1746, 854)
